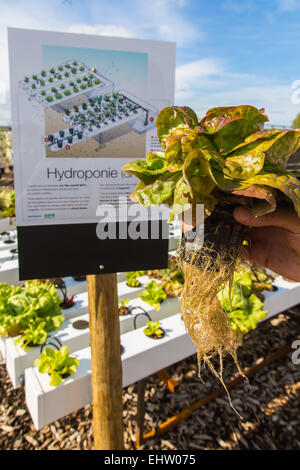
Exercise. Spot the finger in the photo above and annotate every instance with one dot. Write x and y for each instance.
(245, 253)
(258, 253)
(283, 217)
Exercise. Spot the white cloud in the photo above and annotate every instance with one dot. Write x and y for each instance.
(180, 31)
(209, 82)
(188, 73)
(164, 19)
(288, 5)
(209, 74)
(18, 18)
(102, 29)
(42, 16)
(276, 99)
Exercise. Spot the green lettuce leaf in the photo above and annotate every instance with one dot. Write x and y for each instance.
(244, 308)
(287, 184)
(57, 364)
(229, 125)
(181, 200)
(146, 170)
(174, 120)
(158, 192)
(173, 154)
(242, 321)
(197, 174)
(279, 145)
(246, 161)
(20, 307)
(264, 199)
(153, 295)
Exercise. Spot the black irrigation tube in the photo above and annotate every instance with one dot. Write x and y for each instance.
(140, 314)
(67, 300)
(48, 343)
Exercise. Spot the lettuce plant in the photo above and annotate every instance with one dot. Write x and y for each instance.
(123, 309)
(171, 278)
(21, 306)
(58, 364)
(226, 157)
(34, 335)
(153, 329)
(172, 288)
(243, 307)
(7, 203)
(153, 295)
(132, 278)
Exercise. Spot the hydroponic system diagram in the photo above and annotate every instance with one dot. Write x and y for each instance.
(87, 102)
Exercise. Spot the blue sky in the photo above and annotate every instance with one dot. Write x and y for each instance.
(228, 51)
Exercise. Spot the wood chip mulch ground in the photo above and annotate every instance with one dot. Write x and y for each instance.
(269, 406)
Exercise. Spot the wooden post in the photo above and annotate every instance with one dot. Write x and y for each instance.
(141, 385)
(106, 362)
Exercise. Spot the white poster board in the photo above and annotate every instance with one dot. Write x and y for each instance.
(82, 106)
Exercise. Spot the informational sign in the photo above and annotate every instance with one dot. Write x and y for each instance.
(82, 106)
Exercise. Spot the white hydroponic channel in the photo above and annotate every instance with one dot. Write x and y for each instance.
(141, 357)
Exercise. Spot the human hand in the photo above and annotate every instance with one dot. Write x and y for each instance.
(274, 240)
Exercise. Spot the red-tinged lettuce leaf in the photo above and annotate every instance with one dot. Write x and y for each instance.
(196, 174)
(140, 185)
(173, 154)
(181, 197)
(287, 184)
(174, 120)
(215, 117)
(158, 192)
(147, 170)
(247, 160)
(178, 146)
(195, 141)
(278, 145)
(264, 199)
(201, 159)
(264, 135)
(285, 144)
(230, 125)
(224, 182)
(153, 158)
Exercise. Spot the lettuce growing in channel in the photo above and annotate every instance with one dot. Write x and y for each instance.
(223, 160)
(132, 278)
(24, 309)
(34, 335)
(58, 364)
(243, 307)
(153, 329)
(7, 203)
(153, 295)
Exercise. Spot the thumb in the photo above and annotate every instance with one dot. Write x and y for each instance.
(283, 217)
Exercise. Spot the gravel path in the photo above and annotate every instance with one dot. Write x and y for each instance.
(270, 408)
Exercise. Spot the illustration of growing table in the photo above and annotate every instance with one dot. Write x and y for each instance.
(87, 102)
